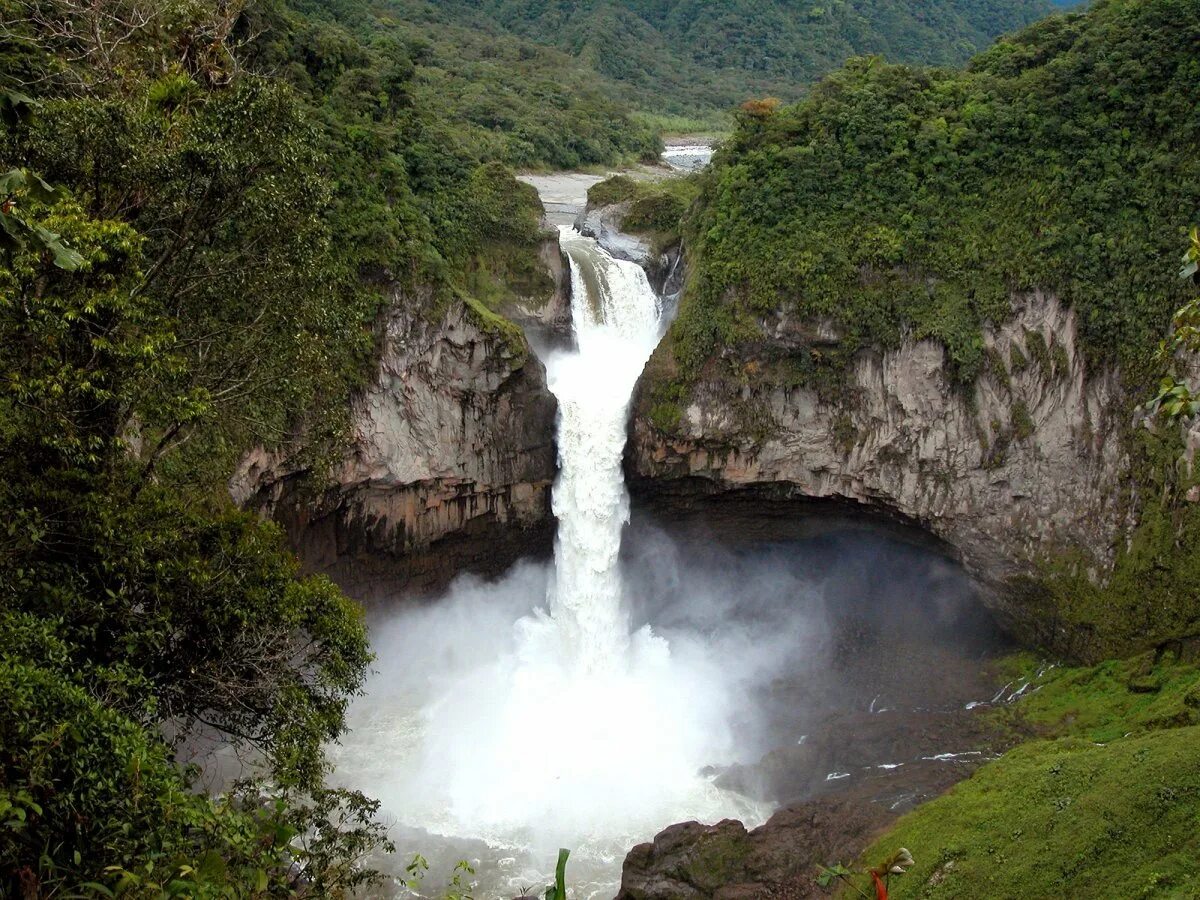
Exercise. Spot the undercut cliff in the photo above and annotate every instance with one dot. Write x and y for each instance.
(450, 460)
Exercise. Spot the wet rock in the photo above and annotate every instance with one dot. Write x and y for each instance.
(604, 223)
(664, 270)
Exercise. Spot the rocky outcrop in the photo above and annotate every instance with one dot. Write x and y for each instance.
(605, 223)
(542, 304)
(1025, 461)
(449, 466)
(691, 861)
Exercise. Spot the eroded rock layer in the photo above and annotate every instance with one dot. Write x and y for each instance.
(448, 469)
(1024, 461)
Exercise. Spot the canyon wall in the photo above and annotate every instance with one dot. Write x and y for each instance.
(451, 457)
(1026, 460)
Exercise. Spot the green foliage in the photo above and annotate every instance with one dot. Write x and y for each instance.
(558, 890)
(16, 232)
(656, 206)
(1022, 421)
(470, 90)
(1175, 399)
(692, 57)
(1191, 259)
(899, 200)
(1108, 701)
(1101, 805)
(91, 802)
(879, 877)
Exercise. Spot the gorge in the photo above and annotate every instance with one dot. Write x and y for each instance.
(708, 666)
(437, 434)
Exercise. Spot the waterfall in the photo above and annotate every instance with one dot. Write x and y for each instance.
(528, 713)
(617, 319)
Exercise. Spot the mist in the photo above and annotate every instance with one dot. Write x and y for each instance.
(484, 744)
(649, 675)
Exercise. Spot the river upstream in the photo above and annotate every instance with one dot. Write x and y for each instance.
(671, 669)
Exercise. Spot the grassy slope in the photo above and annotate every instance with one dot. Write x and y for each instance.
(1107, 806)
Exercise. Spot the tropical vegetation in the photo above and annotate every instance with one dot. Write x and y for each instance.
(206, 206)
(699, 57)
(899, 200)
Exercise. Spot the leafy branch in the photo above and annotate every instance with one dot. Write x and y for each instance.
(880, 875)
(1175, 400)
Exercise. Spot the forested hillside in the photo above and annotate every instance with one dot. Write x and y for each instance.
(901, 203)
(206, 206)
(493, 95)
(1062, 158)
(697, 56)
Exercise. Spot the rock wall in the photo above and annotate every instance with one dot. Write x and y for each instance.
(1027, 459)
(449, 467)
(664, 270)
(691, 861)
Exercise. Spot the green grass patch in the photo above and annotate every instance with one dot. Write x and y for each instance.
(1104, 803)
(1063, 818)
(1108, 701)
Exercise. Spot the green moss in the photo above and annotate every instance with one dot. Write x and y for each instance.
(1062, 363)
(663, 399)
(1017, 358)
(495, 324)
(845, 434)
(1099, 805)
(1064, 818)
(1150, 596)
(1022, 421)
(997, 368)
(996, 450)
(665, 416)
(1039, 352)
(1107, 701)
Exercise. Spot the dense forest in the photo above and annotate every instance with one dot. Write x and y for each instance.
(699, 56)
(206, 206)
(899, 197)
(897, 203)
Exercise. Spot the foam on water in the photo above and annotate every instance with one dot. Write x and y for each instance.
(565, 728)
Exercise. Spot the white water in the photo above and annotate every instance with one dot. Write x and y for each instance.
(565, 728)
(617, 320)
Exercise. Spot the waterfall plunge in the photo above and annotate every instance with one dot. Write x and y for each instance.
(565, 729)
(617, 325)
(588, 731)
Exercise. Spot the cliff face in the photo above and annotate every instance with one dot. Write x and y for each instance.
(1025, 460)
(449, 466)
